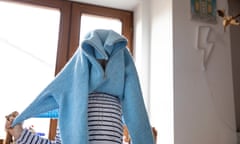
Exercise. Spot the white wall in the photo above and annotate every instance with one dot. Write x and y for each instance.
(202, 101)
(153, 44)
(142, 47)
(161, 78)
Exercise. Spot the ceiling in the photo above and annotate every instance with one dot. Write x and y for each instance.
(119, 4)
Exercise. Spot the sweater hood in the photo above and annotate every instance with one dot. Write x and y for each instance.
(101, 44)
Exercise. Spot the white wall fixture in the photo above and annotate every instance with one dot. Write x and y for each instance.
(204, 44)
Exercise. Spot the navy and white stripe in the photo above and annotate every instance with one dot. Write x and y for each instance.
(27, 137)
(58, 138)
(104, 119)
(104, 123)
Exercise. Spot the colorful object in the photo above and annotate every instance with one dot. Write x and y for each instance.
(203, 10)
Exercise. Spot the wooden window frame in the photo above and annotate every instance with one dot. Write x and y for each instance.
(126, 17)
(63, 41)
(69, 30)
(63, 38)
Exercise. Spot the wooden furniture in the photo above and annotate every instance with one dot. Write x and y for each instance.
(1, 141)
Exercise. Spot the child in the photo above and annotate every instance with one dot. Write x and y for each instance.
(93, 91)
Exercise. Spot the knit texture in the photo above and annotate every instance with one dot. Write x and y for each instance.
(82, 75)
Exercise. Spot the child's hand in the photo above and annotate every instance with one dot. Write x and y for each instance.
(17, 129)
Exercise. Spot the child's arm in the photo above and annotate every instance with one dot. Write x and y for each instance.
(27, 137)
(23, 136)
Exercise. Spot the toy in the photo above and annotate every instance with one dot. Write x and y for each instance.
(9, 137)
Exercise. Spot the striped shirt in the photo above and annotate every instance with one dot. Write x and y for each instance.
(104, 123)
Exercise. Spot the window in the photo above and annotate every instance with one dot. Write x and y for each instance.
(28, 48)
(83, 12)
(88, 23)
(36, 40)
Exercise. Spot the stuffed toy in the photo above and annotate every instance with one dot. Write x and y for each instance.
(9, 138)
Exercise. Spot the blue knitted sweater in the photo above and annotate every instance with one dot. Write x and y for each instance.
(83, 74)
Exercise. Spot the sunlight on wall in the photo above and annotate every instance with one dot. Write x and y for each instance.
(154, 60)
(162, 102)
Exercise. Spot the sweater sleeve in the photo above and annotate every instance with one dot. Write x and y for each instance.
(27, 137)
(50, 97)
(134, 111)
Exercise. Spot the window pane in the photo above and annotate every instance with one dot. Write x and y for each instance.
(28, 47)
(91, 22)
